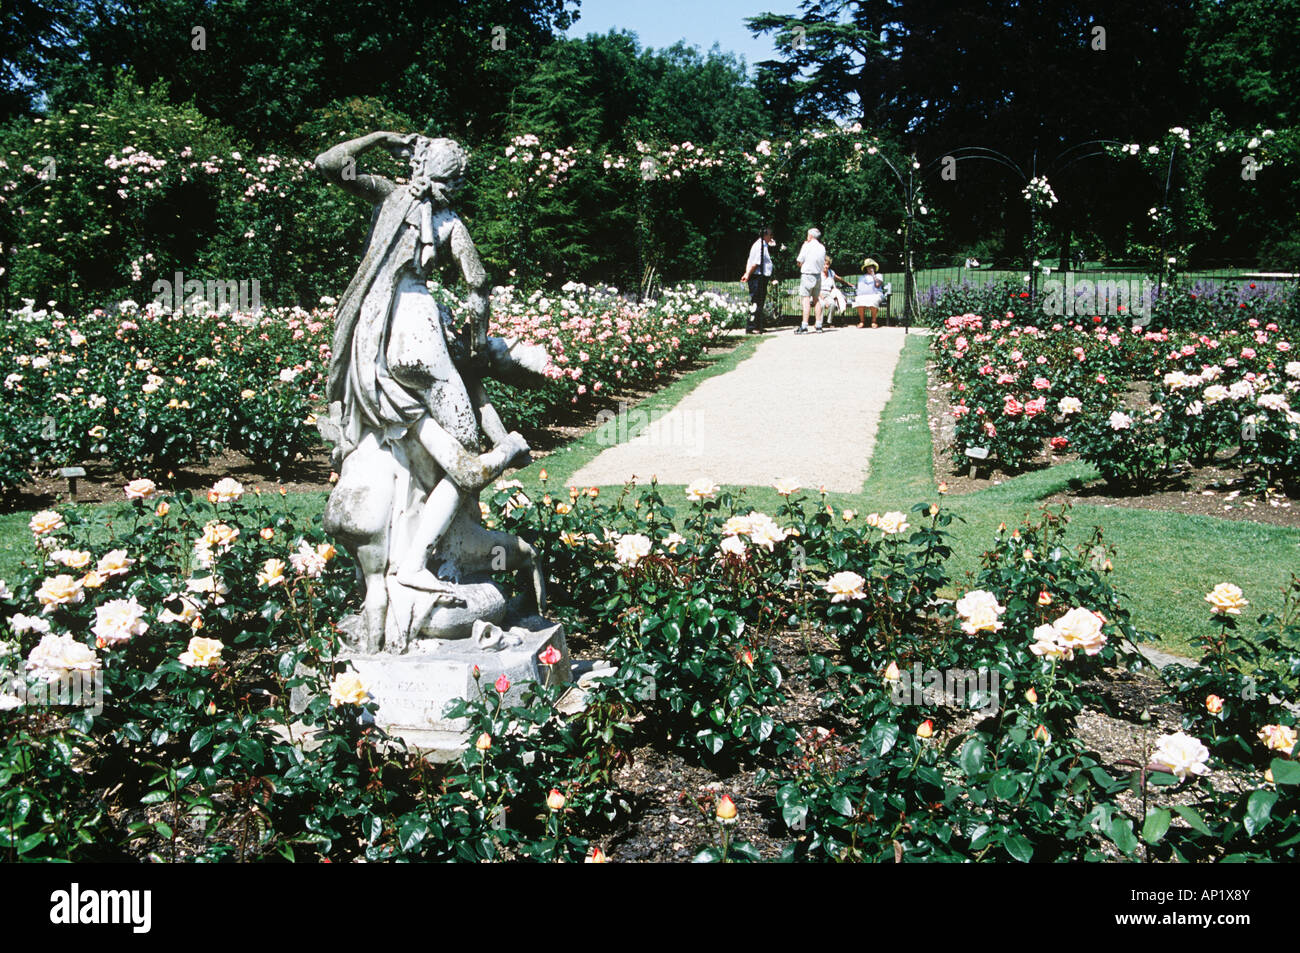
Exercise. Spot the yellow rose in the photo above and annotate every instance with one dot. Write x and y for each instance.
(272, 573)
(1226, 599)
(701, 489)
(45, 522)
(347, 689)
(72, 558)
(891, 523)
(114, 563)
(60, 590)
(1281, 738)
(786, 486)
(202, 653)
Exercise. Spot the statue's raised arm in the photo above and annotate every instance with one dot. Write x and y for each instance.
(339, 164)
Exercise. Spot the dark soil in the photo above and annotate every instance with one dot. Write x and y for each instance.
(674, 794)
(1217, 489)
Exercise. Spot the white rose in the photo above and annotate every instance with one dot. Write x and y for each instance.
(57, 656)
(631, 548)
(979, 611)
(118, 621)
(1081, 629)
(1180, 755)
(844, 586)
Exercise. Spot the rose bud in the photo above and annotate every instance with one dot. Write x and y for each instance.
(484, 742)
(555, 800)
(726, 811)
(1044, 598)
(1041, 734)
(1213, 704)
(892, 674)
(597, 856)
(1031, 696)
(502, 683)
(925, 729)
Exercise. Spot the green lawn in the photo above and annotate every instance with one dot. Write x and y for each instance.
(1166, 561)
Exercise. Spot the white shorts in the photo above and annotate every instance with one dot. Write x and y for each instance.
(869, 301)
(810, 286)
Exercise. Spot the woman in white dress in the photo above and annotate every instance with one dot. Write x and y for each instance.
(870, 292)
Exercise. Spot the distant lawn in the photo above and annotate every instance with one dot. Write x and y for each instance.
(1165, 562)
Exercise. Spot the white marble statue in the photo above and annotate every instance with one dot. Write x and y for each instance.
(408, 412)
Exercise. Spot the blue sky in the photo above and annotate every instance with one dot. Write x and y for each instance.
(701, 23)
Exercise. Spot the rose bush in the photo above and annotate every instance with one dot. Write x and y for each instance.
(1214, 378)
(151, 390)
(199, 617)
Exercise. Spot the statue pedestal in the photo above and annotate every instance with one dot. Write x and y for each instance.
(414, 690)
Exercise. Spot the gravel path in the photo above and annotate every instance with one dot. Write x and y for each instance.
(802, 406)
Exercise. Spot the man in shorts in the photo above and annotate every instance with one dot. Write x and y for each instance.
(812, 260)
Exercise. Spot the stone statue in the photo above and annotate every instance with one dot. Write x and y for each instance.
(408, 411)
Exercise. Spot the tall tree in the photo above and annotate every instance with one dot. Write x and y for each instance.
(32, 33)
(262, 66)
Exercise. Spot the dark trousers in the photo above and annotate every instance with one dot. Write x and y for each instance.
(758, 297)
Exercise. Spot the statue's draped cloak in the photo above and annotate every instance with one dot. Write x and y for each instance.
(360, 377)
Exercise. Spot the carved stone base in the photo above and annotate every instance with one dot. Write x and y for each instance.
(415, 689)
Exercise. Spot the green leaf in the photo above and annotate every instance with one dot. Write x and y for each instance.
(200, 738)
(1005, 785)
(31, 841)
(972, 756)
(712, 741)
(1121, 832)
(1019, 848)
(882, 737)
(411, 833)
(1259, 807)
(1156, 826)
(1192, 817)
(1285, 773)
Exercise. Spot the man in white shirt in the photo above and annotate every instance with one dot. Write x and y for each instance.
(758, 273)
(812, 260)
